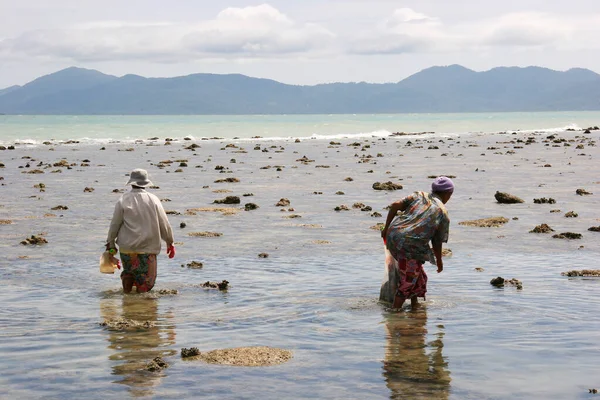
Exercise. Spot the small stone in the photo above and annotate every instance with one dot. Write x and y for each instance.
(505, 198)
(157, 364)
(250, 206)
(568, 235)
(594, 229)
(263, 255)
(195, 265)
(543, 228)
(34, 240)
(283, 203)
(387, 186)
(182, 225)
(571, 214)
(479, 269)
(582, 192)
(499, 281)
(191, 352)
(228, 200)
(88, 190)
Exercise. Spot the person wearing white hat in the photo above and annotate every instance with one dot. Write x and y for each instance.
(138, 225)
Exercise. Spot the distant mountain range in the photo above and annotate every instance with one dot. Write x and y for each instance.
(438, 89)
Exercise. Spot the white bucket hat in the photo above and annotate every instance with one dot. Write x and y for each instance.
(139, 177)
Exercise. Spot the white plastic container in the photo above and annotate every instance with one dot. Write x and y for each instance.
(108, 263)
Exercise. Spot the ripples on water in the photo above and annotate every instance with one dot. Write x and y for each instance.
(469, 341)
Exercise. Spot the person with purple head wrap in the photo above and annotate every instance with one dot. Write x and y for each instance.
(423, 219)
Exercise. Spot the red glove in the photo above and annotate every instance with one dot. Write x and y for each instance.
(171, 251)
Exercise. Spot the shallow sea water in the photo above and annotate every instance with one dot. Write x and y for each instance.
(319, 300)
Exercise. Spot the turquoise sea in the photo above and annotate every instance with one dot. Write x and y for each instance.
(316, 293)
(34, 129)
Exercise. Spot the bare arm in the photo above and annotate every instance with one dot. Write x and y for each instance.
(437, 251)
(394, 208)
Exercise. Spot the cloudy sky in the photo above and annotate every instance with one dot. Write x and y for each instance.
(293, 41)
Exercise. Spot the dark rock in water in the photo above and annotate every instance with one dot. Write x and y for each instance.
(250, 206)
(88, 190)
(227, 180)
(340, 193)
(594, 229)
(182, 225)
(505, 198)
(567, 235)
(543, 228)
(283, 203)
(544, 200)
(376, 214)
(34, 240)
(229, 200)
(223, 285)
(157, 364)
(191, 352)
(386, 186)
(499, 281)
(195, 265)
(582, 192)
(583, 272)
(59, 207)
(263, 255)
(341, 208)
(571, 214)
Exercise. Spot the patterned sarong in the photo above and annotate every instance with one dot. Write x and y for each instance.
(413, 279)
(142, 267)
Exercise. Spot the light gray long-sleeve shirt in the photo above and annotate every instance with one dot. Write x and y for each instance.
(139, 223)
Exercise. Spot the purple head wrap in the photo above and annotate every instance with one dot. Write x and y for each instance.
(442, 184)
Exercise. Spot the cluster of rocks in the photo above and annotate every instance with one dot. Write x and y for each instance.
(157, 364)
(228, 200)
(568, 235)
(501, 282)
(223, 285)
(583, 272)
(34, 240)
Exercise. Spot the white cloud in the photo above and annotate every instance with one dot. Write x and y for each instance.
(408, 31)
(259, 31)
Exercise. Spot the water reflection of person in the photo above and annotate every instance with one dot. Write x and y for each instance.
(413, 368)
(135, 348)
